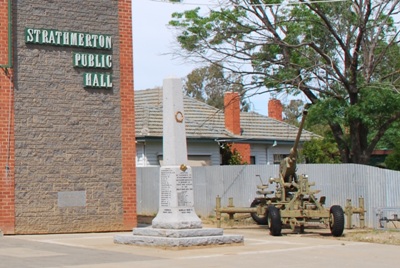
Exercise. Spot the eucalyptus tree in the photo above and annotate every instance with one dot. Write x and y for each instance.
(208, 84)
(293, 112)
(342, 55)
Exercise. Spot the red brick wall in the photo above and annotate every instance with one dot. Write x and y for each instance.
(244, 151)
(7, 199)
(128, 115)
(275, 109)
(3, 32)
(232, 123)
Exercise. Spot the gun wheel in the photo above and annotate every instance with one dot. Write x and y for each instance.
(259, 219)
(336, 220)
(274, 221)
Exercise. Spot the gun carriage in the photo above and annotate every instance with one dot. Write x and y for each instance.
(292, 202)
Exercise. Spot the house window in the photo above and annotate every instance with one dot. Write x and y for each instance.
(278, 158)
(252, 160)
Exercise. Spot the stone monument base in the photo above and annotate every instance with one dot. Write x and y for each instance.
(178, 238)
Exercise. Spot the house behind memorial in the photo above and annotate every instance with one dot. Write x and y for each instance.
(269, 139)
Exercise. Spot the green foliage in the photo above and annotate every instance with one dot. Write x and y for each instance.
(392, 161)
(293, 112)
(392, 135)
(345, 58)
(205, 84)
(376, 105)
(208, 84)
(328, 110)
(321, 151)
(230, 156)
(317, 150)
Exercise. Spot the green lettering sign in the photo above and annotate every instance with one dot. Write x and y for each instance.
(88, 60)
(97, 80)
(65, 38)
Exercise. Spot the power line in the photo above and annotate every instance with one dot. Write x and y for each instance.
(288, 3)
(183, 3)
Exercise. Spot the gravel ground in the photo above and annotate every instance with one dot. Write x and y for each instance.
(391, 237)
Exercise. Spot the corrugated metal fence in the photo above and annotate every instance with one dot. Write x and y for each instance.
(379, 187)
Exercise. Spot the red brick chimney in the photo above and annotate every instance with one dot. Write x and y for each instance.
(275, 109)
(232, 123)
(232, 112)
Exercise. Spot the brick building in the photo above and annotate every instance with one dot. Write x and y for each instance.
(67, 123)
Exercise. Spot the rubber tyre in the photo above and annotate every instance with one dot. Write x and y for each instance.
(274, 221)
(259, 220)
(336, 220)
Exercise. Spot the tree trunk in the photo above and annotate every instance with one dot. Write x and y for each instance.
(339, 138)
(359, 142)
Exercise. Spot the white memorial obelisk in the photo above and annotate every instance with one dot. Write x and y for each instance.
(176, 224)
(176, 205)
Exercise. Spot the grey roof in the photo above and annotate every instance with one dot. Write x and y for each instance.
(206, 122)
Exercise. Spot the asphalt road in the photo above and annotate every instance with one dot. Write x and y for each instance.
(312, 249)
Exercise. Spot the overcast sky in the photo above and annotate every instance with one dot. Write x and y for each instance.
(152, 39)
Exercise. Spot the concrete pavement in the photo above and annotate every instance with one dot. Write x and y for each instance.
(312, 249)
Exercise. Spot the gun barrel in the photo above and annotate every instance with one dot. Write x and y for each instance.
(296, 142)
(287, 167)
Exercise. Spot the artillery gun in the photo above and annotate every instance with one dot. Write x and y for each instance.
(294, 202)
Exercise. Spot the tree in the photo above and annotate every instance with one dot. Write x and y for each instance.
(343, 56)
(390, 138)
(208, 84)
(317, 150)
(392, 160)
(293, 112)
(230, 156)
(320, 151)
